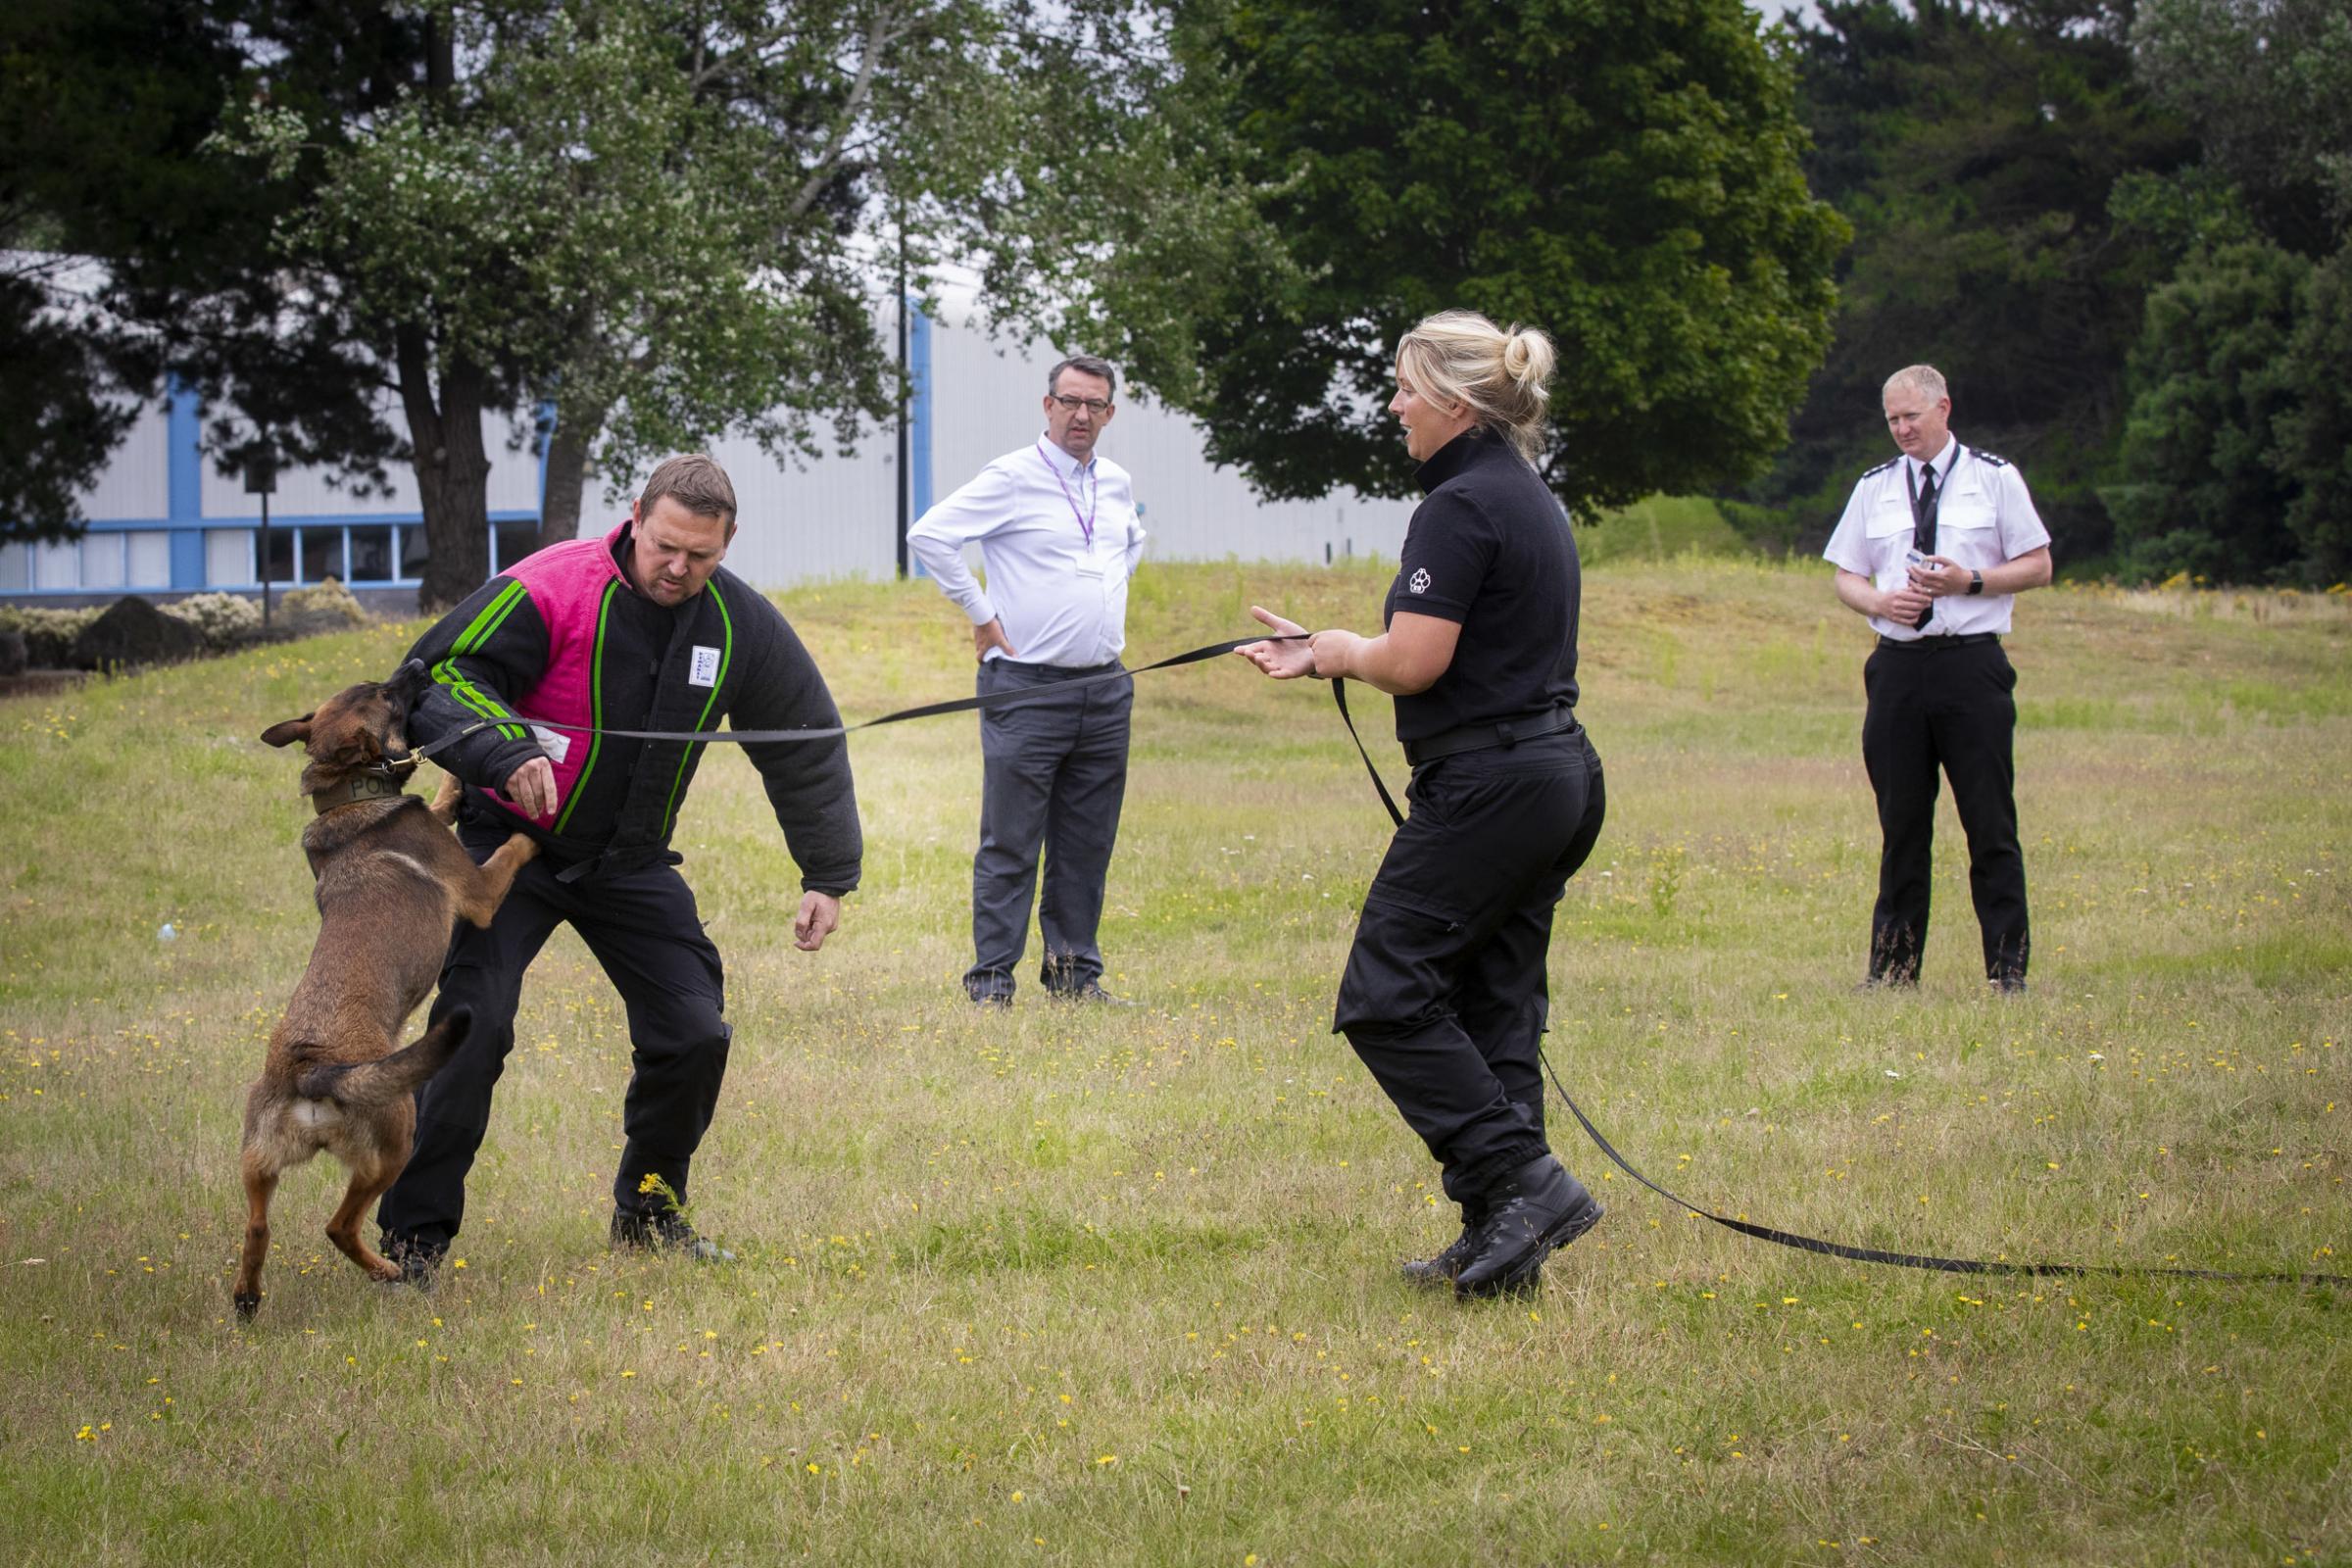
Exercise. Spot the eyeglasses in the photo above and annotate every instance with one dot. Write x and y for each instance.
(1098, 406)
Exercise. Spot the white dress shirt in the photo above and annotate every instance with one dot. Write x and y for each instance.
(1984, 517)
(1062, 596)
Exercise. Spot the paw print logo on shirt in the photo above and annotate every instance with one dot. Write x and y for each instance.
(1420, 580)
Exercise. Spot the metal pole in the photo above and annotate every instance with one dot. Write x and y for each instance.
(905, 475)
(265, 560)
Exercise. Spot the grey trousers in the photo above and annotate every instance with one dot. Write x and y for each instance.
(1054, 776)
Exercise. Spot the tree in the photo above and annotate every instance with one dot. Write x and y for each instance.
(2236, 461)
(1624, 175)
(2202, 495)
(661, 218)
(1977, 150)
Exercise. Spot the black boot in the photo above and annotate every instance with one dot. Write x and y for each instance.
(1534, 1209)
(1441, 1269)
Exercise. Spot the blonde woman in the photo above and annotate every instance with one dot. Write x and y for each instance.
(1444, 996)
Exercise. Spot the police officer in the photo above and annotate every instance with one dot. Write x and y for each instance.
(1933, 550)
(1445, 996)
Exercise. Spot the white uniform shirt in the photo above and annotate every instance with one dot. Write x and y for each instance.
(1062, 596)
(1984, 517)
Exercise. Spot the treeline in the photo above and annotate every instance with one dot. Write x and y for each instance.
(2124, 233)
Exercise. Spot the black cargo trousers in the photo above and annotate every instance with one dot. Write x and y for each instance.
(1446, 997)
(643, 927)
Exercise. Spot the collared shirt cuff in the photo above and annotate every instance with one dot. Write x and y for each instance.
(981, 610)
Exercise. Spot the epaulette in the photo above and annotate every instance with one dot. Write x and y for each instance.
(1880, 469)
(1984, 455)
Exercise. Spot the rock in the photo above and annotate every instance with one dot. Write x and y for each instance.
(130, 633)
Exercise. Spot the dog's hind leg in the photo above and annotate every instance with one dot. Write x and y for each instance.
(367, 1183)
(260, 1183)
(491, 879)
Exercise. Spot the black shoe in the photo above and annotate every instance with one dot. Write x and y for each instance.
(1091, 990)
(1537, 1208)
(992, 999)
(2008, 985)
(664, 1233)
(1442, 1269)
(419, 1261)
(1886, 982)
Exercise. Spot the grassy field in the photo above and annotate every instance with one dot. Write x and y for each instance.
(1077, 1287)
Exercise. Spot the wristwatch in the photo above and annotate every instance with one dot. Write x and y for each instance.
(1976, 581)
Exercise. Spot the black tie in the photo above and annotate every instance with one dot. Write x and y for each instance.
(1922, 519)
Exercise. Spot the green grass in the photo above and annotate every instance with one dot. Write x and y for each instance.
(1077, 1287)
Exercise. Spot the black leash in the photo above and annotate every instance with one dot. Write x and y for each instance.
(1814, 1243)
(960, 704)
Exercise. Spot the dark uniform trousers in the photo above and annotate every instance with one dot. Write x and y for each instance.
(1446, 997)
(643, 927)
(1054, 776)
(1944, 703)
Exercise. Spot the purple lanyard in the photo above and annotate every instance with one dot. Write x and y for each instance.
(1094, 496)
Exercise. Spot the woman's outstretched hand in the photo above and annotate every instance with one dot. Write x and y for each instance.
(1283, 660)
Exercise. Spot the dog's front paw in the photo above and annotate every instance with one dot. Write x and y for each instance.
(529, 847)
(247, 1306)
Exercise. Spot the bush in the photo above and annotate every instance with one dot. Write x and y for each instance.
(48, 633)
(225, 620)
(322, 606)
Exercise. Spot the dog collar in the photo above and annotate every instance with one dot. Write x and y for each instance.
(359, 787)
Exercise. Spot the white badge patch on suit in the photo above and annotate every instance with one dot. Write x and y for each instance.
(704, 671)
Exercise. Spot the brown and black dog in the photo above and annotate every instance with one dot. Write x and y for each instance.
(392, 881)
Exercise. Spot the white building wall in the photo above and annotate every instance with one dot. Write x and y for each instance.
(137, 481)
(838, 516)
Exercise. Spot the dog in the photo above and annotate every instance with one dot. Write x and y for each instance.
(392, 881)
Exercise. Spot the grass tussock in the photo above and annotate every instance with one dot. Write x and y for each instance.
(1063, 1286)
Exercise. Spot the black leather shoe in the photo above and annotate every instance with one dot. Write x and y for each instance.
(2009, 985)
(1537, 1208)
(1442, 1269)
(664, 1233)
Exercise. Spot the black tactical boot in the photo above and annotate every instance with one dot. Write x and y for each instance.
(1534, 1209)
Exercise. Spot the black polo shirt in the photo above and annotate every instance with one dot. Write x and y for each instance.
(1490, 548)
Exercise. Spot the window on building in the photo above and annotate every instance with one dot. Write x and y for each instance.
(56, 565)
(511, 542)
(278, 552)
(412, 552)
(323, 556)
(371, 559)
(16, 568)
(148, 555)
(101, 561)
(229, 557)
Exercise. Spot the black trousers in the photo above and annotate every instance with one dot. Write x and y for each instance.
(644, 929)
(1942, 707)
(1446, 997)
(1054, 776)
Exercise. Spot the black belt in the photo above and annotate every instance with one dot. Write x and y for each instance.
(1484, 737)
(1932, 643)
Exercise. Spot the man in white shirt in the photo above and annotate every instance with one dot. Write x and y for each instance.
(1932, 551)
(1058, 539)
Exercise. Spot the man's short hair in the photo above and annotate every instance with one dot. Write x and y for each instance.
(1925, 380)
(695, 482)
(1084, 364)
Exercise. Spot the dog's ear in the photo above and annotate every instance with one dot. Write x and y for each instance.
(285, 732)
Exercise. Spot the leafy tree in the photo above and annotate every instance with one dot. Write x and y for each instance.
(1976, 149)
(2267, 84)
(2201, 494)
(2236, 461)
(1625, 175)
(661, 216)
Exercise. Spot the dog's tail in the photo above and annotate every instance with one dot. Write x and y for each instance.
(362, 1086)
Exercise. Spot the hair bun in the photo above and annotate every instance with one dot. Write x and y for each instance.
(1527, 358)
